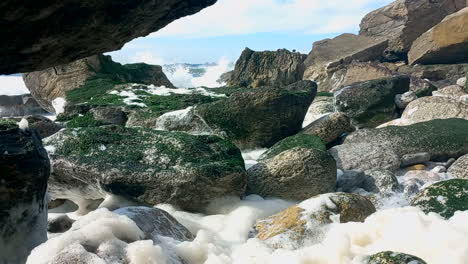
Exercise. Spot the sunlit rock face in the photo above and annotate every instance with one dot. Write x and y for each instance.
(38, 35)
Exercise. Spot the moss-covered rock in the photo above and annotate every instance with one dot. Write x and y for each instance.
(145, 165)
(300, 223)
(459, 169)
(389, 257)
(371, 103)
(444, 198)
(299, 140)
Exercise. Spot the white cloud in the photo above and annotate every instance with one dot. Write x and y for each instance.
(147, 57)
(231, 17)
(12, 85)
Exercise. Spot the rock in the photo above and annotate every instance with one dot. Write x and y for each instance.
(435, 107)
(59, 224)
(19, 105)
(183, 120)
(267, 68)
(402, 21)
(439, 169)
(450, 162)
(416, 158)
(224, 78)
(321, 106)
(260, 117)
(441, 138)
(48, 34)
(371, 103)
(25, 168)
(451, 91)
(446, 42)
(304, 222)
(412, 186)
(136, 163)
(423, 175)
(440, 75)
(110, 115)
(402, 100)
(294, 174)
(350, 180)
(459, 169)
(462, 81)
(390, 257)
(156, 223)
(76, 254)
(299, 140)
(43, 125)
(443, 198)
(421, 87)
(98, 70)
(330, 127)
(328, 55)
(380, 181)
(364, 156)
(416, 167)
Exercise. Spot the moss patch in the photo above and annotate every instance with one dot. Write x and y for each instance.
(299, 140)
(325, 94)
(87, 120)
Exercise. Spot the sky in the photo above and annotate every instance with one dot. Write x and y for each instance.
(223, 30)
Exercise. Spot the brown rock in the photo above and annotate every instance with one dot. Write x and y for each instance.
(435, 107)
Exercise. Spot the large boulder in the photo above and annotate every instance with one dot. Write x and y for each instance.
(371, 103)
(444, 198)
(447, 42)
(294, 174)
(260, 117)
(41, 35)
(441, 75)
(305, 222)
(321, 106)
(267, 68)
(403, 21)
(19, 105)
(25, 168)
(329, 127)
(144, 165)
(52, 83)
(435, 107)
(390, 257)
(459, 168)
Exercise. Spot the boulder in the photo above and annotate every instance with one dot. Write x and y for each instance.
(446, 42)
(361, 72)
(371, 103)
(452, 91)
(330, 127)
(293, 227)
(109, 115)
(47, 34)
(416, 158)
(19, 105)
(443, 198)
(259, 117)
(440, 75)
(349, 180)
(298, 140)
(143, 165)
(95, 72)
(25, 168)
(294, 174)
(43, 125)
(459, 169)
(403, 21)
(321, 106)
(59, 224)
(435, 107)
(402, 100)
(267, 68)
(390, 257)
(380, 181)
(462, 82)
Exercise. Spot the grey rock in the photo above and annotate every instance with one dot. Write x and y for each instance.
(110, 115)
(390, 257)
(43, 125)
(416, 158)
(330, 127)
(462, 81)
(435, 107)
(47, 34)
(459, 169)
(25, 168)
(412, 186)
(59, 224)
(371, 103)
(350, 180)
(381, 181)
(321, 106)
(76, 254)
(452, 91)
(402, 100)
(19, 105)
(294, 174)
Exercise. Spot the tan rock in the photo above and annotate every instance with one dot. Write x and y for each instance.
(435, 107)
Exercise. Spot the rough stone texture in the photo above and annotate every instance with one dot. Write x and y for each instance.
(321, 106)
(43, 125)
(267, 68)
(360, 72)
(389, 257)
(462, 81)
(300, 223)
(402, 100)
(364, 156)
(416, 158)
(435, 107)
(144, 165)
(260, 117)
(452, 91)
(155, 223)
(440, 75)
(44, 34)
(447, 42)
(55, 82)
(403, 21)
(109, 115)
(59, 224)
(295, 174)
(459, 169)
(298, 140)
(19, 105)
(24, 168)
(380, 181)
(371, 103)
(350, 180)
(329, 127)
(444, 198)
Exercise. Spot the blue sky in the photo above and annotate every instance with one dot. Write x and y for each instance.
(226, 28)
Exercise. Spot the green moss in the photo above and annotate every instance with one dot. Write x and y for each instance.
(159, 105)
(87, 120)
(444, 198)
(389, 257)
(326, 94)
(8, 122)
(228, 90)
(99, 85)
(299, 140)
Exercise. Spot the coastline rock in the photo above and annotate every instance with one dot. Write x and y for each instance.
(48, 34)
(435, 107)
(298, 140)
(59, 224)
(389, 257)
(321, 106)
(459, 169)
(446, 42)
(452, 91)
(44, 126)
(267, 68)
(402, 100)
(330, 127)
(19, 105)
